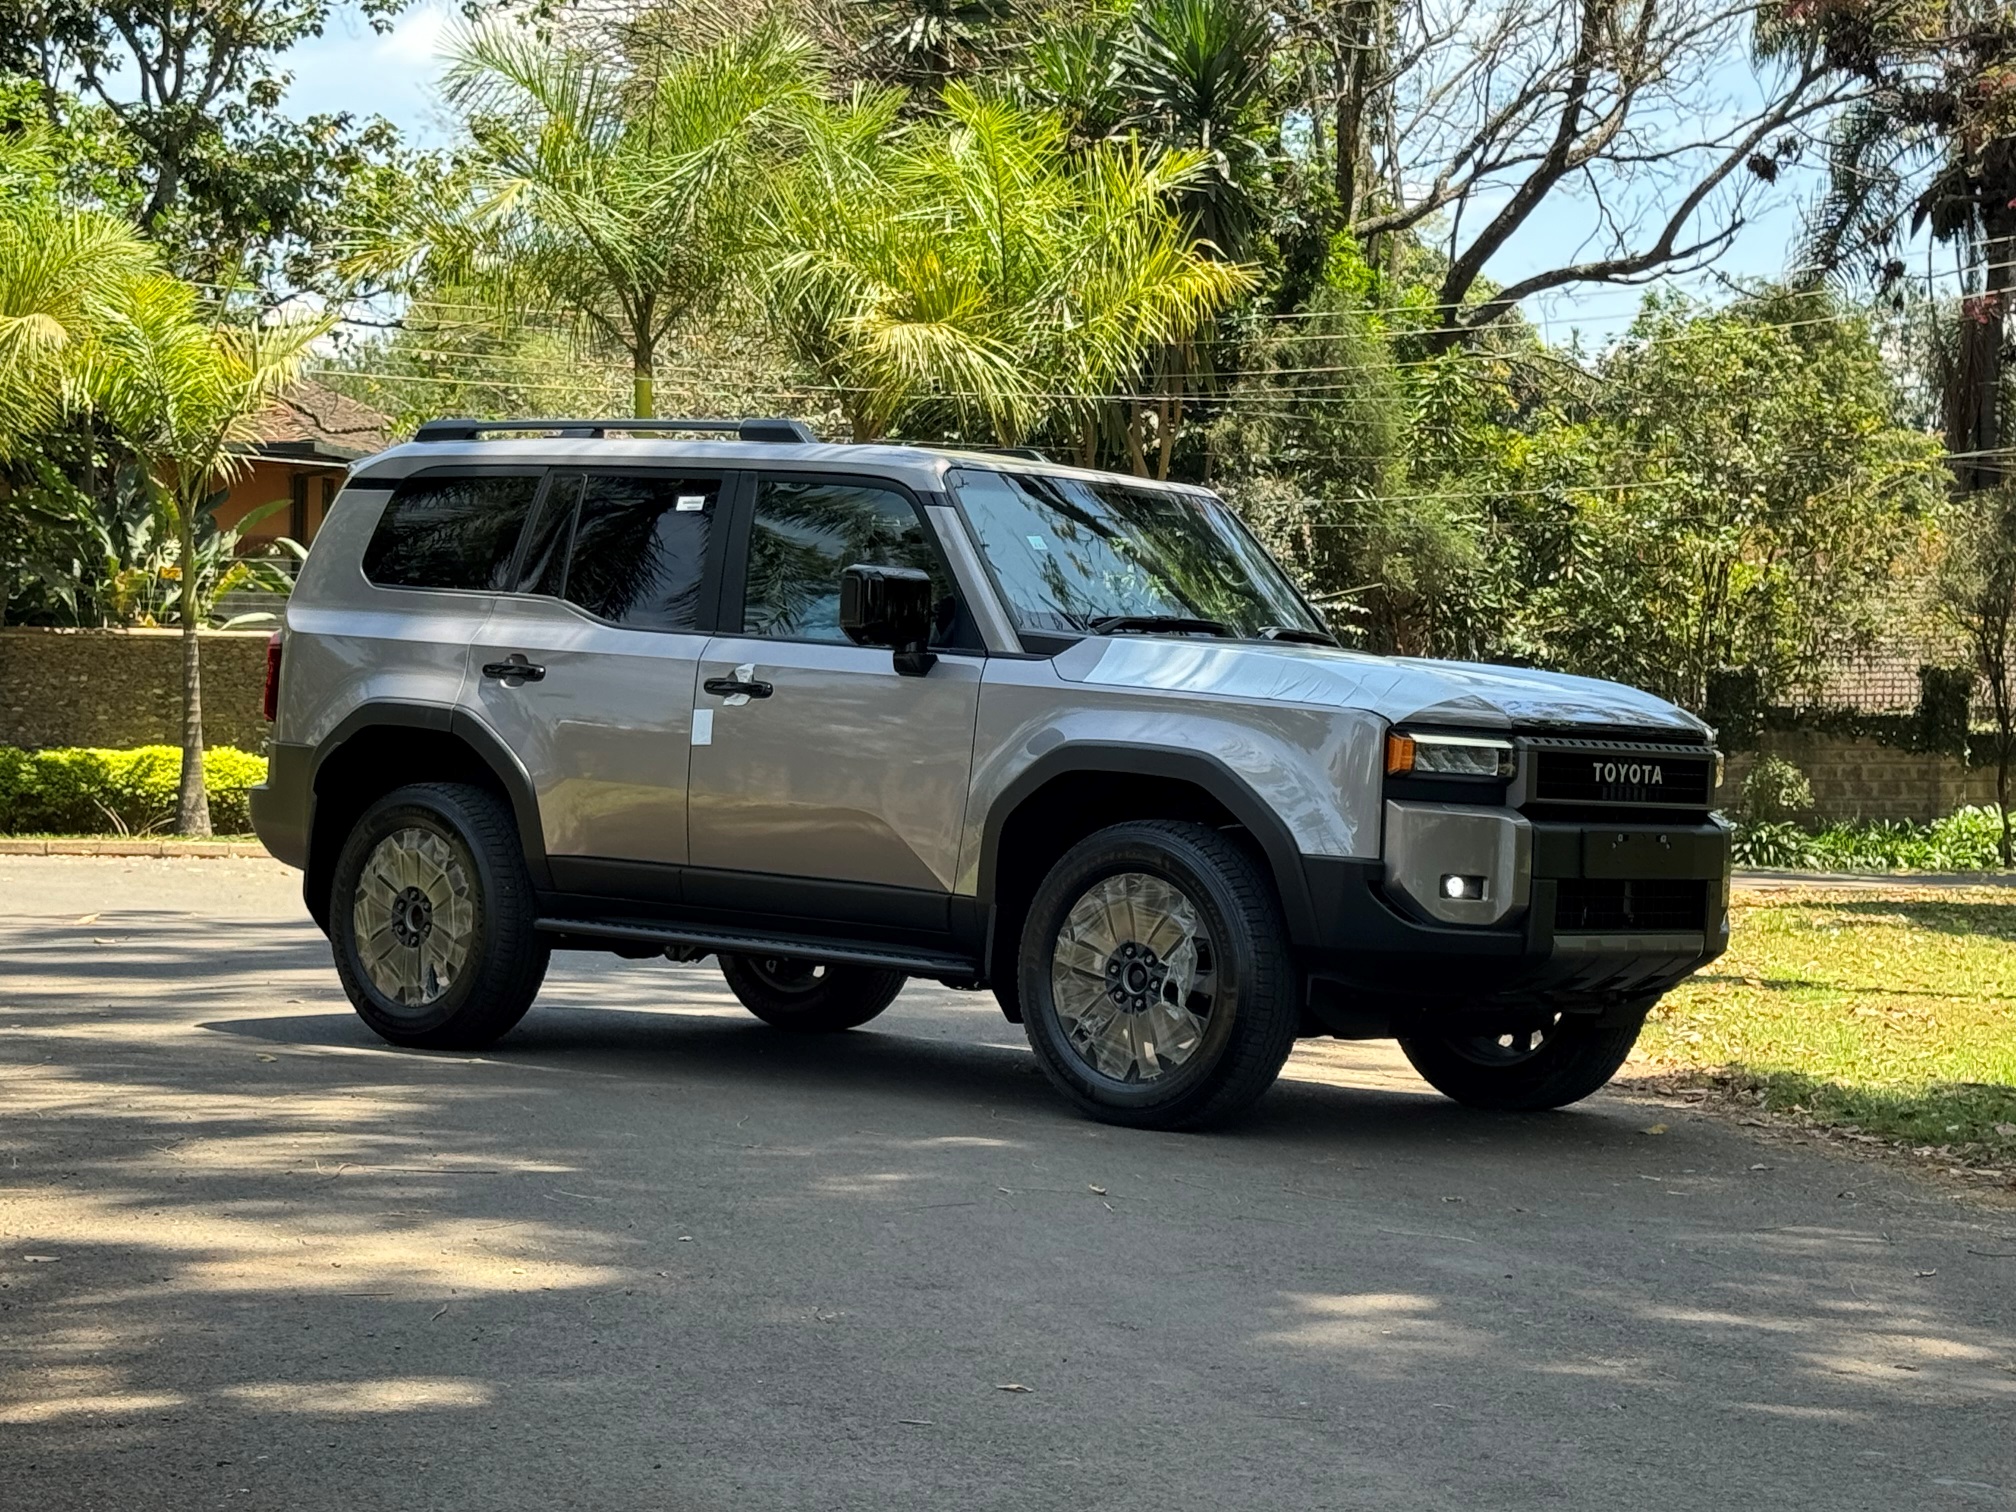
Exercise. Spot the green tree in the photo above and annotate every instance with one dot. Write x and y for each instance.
(968, 270)
(1752, 491)
(184, 391)
(1928, 144)
(1977, 589)
(618, 192)
(174, 108)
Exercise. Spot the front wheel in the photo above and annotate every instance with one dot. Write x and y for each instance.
(432, 918)
(1545, 1064)
(809, 997)
(1156, 983)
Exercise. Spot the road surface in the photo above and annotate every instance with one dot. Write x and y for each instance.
(651, 1254)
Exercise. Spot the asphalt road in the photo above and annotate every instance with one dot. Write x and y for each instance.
(651, 1254)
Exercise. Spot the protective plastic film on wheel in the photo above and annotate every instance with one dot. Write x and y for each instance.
(1132, 977)
(414, 915)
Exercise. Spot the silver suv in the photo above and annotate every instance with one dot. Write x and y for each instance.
(844, 715)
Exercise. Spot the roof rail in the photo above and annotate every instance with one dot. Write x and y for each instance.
(785, 432)
(1022, 453)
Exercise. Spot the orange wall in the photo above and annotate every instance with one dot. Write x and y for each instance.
(268, 480)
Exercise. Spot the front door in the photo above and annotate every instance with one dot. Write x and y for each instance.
(588, 672)
(812, 757)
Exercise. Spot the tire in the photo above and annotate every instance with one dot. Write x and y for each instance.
(466, 905)
(1206, 1009)
(809, 997)
(1512, 1073)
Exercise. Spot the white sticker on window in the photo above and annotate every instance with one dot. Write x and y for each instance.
(703, 727)
(1039, 543)
(691, 503)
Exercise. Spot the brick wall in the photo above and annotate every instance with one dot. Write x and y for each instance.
(1862, 779)
(124, 687)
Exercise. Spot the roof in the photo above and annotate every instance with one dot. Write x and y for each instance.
(310, 421)
(919, 467)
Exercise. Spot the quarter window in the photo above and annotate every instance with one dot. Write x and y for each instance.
(806, 532)
(450, 533)
(627, 548)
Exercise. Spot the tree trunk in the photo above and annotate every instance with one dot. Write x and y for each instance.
(1359, 35)
(641, 397)
(192, 800)
(1974, 423)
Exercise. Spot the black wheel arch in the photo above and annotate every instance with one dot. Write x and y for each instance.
(1150, 779)
(386, 744)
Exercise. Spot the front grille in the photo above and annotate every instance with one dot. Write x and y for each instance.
(1587, 905)
(1622, 776)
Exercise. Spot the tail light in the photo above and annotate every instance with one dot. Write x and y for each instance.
(271, 705)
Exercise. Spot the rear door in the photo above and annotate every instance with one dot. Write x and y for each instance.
(840, 791)
(587, 671)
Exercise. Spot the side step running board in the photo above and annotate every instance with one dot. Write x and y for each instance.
(929, 963)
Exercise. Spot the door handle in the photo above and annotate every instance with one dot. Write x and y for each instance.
(514, 669)
(728, 687)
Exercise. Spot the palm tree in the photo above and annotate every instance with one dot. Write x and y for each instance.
(184, 392)
(1199, 72)
(1925, 146)
(60, 271)
(925, 44)
(972, 265)
(620, 194)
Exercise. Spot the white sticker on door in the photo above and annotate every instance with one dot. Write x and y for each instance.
(703, 727)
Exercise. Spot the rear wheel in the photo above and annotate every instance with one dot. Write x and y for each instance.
(810, 997)
(1546, 1064)
(431, 918)
(1155, 981)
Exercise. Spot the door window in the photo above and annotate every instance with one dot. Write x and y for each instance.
(805, 532)
(629, 548)
(450, 532)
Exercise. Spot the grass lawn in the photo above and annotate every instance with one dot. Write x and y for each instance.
(1887, 1012)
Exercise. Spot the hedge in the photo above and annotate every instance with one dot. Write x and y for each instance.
(92, 792)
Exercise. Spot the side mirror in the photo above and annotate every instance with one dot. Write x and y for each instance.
(889, 606)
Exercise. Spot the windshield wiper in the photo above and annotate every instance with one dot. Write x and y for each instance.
(1121, 624)
(1296, 636)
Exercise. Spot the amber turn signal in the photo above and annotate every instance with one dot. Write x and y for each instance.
(1399, 753)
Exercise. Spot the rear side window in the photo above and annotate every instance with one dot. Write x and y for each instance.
(450, 533)
(627, 548)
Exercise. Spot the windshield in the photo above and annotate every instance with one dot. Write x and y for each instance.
(1070, 553)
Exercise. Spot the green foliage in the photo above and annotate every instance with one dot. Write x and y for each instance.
(1969, 840)
(1775, 790)
(965, 271)
(112, 554)
(1751, 494)
(1775, 843)
(169, 113)
(617, 190)
(88, 792)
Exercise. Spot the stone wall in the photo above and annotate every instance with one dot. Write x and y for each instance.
(1862, 779)
(123, 688)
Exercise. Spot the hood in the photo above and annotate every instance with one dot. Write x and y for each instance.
(1399, 688)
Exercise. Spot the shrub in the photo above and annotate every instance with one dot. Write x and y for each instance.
(1964, 841)
(1775, 843)
(91, 792)
(1775, 791)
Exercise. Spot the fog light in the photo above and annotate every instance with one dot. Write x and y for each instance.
(1471, 888)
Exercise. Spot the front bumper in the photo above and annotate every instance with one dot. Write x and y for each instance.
(1588, 917)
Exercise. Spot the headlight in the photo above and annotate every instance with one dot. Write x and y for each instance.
(1472, 756)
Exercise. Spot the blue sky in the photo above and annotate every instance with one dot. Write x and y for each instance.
(351, 68)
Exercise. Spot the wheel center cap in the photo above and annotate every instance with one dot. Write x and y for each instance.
(412, 916)
(1134, 977)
